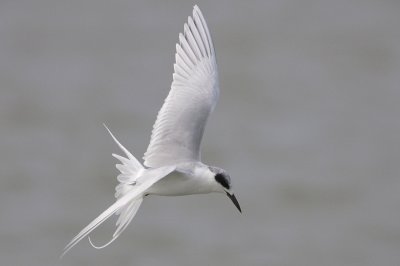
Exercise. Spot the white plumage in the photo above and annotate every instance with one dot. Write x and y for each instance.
(180, 124)
(173, 155)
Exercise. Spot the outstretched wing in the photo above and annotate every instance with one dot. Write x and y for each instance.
(180, 123)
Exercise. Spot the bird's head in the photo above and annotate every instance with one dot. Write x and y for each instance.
(224, 184)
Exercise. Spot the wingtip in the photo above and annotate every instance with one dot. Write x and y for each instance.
(196, 8)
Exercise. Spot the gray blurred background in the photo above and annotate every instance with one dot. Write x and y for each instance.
(308, 125)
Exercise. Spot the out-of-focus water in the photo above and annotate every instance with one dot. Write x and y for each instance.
(308, 125)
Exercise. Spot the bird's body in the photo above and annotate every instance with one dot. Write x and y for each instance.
(188, 178)
(172, 163)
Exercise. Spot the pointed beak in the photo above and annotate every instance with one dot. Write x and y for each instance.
(234, 200)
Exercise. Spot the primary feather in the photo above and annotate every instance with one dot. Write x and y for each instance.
(180, 123)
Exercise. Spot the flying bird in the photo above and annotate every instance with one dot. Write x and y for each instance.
(172, 162)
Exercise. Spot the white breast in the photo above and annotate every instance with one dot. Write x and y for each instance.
(186, 180)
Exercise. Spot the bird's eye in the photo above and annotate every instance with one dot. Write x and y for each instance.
(220, 178)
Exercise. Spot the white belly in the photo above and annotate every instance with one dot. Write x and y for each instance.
(179, 184)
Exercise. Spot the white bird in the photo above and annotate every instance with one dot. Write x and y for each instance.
(173, 159)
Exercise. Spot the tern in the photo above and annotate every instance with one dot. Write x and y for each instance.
(172, 163)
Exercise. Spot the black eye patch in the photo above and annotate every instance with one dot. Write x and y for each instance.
(220, 178)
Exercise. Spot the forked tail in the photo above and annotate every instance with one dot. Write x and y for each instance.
(130, 170)
(129, 197)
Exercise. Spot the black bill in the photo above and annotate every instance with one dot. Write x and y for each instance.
(234, 200)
